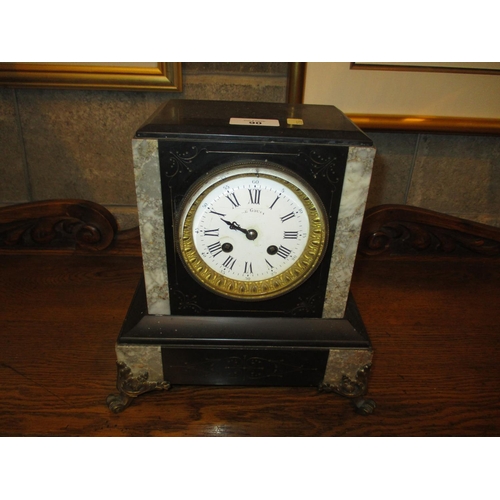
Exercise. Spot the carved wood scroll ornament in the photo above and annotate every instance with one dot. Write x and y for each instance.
(57, 224)
(400, 230)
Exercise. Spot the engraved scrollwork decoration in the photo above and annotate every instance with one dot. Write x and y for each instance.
(187, 304)
(324, 165)
(305, 305)
(246, 367)
(179, 160)
(130, 386)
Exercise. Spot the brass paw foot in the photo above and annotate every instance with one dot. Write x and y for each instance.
(118, 402)
(130, 386)
(364, 406)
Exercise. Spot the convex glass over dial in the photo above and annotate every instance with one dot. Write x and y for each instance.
(251, 231)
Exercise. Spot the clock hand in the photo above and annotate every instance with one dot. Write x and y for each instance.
(234, 225)
(251, 234)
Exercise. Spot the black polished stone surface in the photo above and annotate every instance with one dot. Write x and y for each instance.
(198, 118)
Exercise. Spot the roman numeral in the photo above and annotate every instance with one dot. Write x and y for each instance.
(217, 213)
(215, 248)
(287, 217)
(277, 198)
(290, 235)
(283, 252)
(248, 267)
(211, 232)
(229, 262)
(254, 196)
(232, 198)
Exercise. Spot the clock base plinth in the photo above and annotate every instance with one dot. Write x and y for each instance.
(157, 351)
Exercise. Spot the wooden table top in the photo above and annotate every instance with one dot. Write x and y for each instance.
(434, 324)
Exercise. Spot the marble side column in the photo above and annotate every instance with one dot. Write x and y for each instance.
(352, 207)
(150, 207)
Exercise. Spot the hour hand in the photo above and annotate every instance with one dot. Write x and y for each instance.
(251, 234)
(234, 225)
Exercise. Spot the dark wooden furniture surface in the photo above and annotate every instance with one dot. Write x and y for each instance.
(426, 285)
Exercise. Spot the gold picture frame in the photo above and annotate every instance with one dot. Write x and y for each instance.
(159, 76)
(403, 122)
(429, 67)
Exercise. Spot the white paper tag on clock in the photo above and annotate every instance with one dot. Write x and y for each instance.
(259, 122)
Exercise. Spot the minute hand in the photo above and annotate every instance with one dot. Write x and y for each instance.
(235, 225)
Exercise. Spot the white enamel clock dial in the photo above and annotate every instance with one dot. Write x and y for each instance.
(251, 231)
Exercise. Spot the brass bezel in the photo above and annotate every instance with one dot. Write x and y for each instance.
(256, 290)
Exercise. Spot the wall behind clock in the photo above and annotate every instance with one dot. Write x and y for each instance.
(77, 144)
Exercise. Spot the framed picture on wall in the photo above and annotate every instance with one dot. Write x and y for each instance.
(416, 96)
(160, 76)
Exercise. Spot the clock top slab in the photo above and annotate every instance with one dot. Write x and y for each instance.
(234, 120)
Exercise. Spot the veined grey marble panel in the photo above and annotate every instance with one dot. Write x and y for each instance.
(392, 167)
(150, 207)
(346, 363)
(351, 211)
(142, 358)
(458, 175)
(13, 185)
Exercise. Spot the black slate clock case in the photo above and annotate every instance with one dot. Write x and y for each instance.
(211, 340)
(195, 137)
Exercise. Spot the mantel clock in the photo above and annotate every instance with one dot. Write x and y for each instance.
(249, 216)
